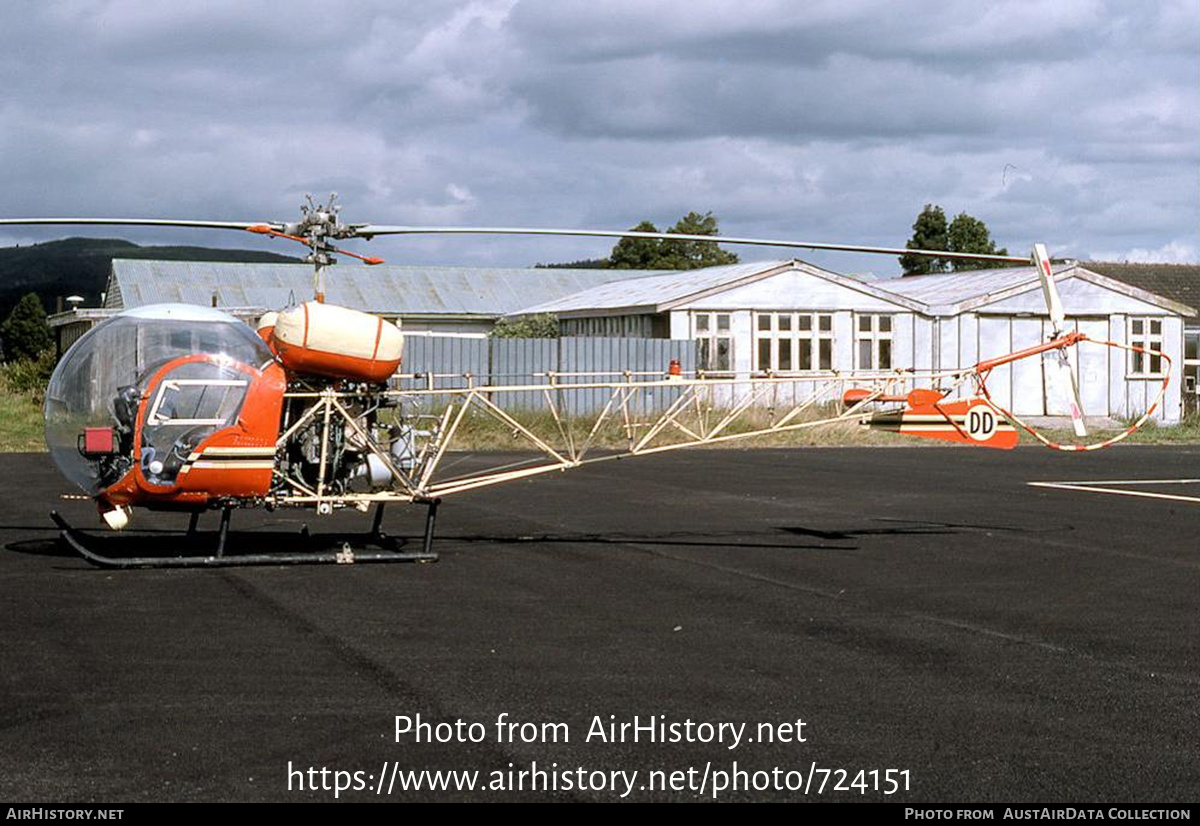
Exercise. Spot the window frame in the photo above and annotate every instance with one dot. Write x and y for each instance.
(1191, 365)
(708, 341)
(874, 335)
(812, 327)
(1138, 366)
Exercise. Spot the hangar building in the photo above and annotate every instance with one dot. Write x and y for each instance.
(780, 316)
(793, 316)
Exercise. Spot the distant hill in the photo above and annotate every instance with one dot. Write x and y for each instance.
(81, 266)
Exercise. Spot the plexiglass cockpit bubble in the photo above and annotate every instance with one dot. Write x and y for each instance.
(100, 384)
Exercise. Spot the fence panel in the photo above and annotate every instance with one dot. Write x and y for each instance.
(521, 361)
(608, 359)
(455, 362)
(448, 362)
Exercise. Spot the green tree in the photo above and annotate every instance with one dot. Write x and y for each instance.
(664, 254)
(929, 233)
(969, 234)
(965, 233)
(692, 255)
(534, 326)
(25, 333)
(638, 253)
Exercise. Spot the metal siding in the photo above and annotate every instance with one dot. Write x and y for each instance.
(1118, 387)
(1093, 366)
(449, 359)
(948, 344)
(1173, 347)
(843, 341)
(995, 339)
(903, 339)
(969, 352)
(527, 361)
(519, 361)
(1027, 376)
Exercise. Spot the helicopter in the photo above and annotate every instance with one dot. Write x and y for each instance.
(185, 408)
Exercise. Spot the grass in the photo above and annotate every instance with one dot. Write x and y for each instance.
(20, 423)
(1186, 432)
(22, 387)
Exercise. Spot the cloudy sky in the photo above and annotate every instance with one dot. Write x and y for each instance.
(1073, 122)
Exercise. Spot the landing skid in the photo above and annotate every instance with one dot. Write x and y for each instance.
(348, 551)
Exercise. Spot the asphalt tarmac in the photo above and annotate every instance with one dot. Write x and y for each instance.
(920, 610)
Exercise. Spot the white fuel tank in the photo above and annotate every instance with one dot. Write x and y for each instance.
(266, 326)
(337, 342)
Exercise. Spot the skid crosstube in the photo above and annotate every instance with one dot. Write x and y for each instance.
(343, 555)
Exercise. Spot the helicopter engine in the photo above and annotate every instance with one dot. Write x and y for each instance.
(340, 457)
(324, 345)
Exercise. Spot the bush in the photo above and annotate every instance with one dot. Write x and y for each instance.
(25, 333)
(29, 376)
(534, 326)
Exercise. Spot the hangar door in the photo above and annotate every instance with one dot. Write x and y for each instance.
(1093, 366)
(1021, 386)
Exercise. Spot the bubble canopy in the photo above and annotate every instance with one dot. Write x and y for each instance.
(101, 380)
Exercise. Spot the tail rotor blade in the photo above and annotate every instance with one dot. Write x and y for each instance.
(1041, 260)
(1062, 371)
(1074, 403)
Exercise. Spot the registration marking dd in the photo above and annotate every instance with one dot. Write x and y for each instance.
(982, 422)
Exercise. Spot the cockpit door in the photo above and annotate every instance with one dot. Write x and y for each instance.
(185, 404)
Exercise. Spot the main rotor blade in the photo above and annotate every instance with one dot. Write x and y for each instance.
(372, 230)
(136, 222)
(369, 231)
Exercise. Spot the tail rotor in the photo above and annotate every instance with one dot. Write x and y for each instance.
(1062, 373)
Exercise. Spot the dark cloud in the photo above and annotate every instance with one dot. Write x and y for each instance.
(822, 120)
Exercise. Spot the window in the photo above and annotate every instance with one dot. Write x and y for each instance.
(789, 342)
(1191, 366)
(873, 342)
(193, 402)
(1145, 332)
(714, 341)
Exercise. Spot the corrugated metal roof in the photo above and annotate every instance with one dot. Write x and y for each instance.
(386, 289)
(953, 288)
(664, 291)
(951, 293)
(649, 291)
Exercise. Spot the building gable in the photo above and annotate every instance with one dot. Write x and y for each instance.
(1083, 294)
(796, 288)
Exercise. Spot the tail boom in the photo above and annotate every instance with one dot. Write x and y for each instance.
(974, 422)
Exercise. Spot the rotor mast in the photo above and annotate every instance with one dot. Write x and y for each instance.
(318, 225)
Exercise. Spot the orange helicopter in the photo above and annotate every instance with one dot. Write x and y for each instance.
(184, 408)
